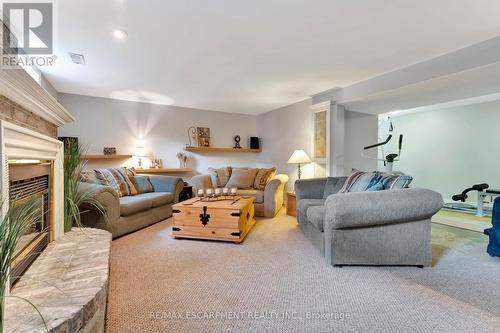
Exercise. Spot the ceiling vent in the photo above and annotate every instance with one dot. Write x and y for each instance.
(78, 59)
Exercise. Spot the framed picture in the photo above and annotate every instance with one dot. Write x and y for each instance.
(203, 135)
(109, 151)
(321, 139)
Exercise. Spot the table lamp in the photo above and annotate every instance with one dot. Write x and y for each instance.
(140, 152)
(299, 157)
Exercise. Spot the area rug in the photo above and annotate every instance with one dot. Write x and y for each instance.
(276, 281)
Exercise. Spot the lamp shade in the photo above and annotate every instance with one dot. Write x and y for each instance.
(299, 156)
(140, 152)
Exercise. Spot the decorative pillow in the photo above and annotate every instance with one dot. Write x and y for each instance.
(394, 182)
(360, 181)
(220, 176)
(89, 176)
(142, 184)
(131, 172)
(242, 179)
(262, 177)
(118, 179)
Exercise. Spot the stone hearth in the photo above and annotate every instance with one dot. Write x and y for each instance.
(68, 284)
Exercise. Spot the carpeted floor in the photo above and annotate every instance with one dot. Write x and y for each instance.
(276, 281)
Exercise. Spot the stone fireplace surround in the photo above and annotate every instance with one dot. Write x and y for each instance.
(29, 117)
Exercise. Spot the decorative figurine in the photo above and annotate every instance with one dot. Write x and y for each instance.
(237, 140)
(191, 136)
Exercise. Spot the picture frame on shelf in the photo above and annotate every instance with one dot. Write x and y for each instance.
(203, 136)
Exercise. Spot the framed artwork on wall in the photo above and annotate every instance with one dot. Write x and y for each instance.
(203, 135)
(321, 139)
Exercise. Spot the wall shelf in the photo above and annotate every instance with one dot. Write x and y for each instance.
(163, 170)
(221, 150)
(106, 157)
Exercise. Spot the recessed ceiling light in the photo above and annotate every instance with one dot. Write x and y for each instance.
(119, 34)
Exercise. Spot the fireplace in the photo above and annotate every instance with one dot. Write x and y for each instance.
(31, 180)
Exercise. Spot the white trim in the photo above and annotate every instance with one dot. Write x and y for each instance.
(17, 142)
(18, 86)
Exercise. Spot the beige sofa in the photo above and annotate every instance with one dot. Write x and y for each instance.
(267, 202)
(129, 213)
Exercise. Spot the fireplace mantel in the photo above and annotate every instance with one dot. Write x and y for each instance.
(19, 87)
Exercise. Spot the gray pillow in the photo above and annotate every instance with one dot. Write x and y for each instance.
(242, 179)
(142, 184)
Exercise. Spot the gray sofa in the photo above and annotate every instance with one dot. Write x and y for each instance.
(267, 203)
(390, 227)
(130, 213)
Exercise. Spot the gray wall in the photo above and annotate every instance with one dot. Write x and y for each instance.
(282, 131)
(450, 149)
(361, 130)
(103, 122)
(106, 122)
(285, 129)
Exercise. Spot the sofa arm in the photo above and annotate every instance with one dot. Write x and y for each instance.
(310, 188)
(200, 182)
(105, 195)
(362, 209)
(170, 184)
(273, 194)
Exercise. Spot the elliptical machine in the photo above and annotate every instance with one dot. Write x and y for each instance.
(390, 158)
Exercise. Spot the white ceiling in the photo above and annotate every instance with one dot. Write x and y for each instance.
(252, 56)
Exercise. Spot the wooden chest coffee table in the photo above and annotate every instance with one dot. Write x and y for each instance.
(226, 220)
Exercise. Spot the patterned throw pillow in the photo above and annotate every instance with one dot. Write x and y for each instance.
(220, 176)
(118, 179)
(360, 181)
(394, 182)
(262, 177)
(90, 176)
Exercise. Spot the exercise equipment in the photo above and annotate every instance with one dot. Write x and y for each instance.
(483, 192)
(493, 233)
(390, 158)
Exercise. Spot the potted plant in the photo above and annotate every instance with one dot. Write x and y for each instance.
(74, 196)
(16, 220)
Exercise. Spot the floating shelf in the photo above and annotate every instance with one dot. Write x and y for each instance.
(105, 157)
(163, 170)
(222, 150)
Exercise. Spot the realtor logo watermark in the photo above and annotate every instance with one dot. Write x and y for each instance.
(28, 34)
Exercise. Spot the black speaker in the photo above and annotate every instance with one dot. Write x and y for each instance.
(254, 142)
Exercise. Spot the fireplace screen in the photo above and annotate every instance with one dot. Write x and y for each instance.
(30, 182)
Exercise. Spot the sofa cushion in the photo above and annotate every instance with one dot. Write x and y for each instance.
(304, 204)
(262, 177)
(220, 176)
(333, 185)
(134, 204)
(158, 198)
(258, 195)
(242, 179)
(315, 215)
(142, 184)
